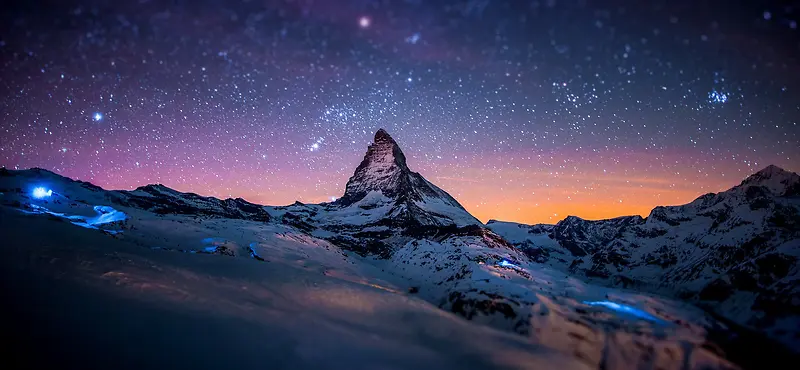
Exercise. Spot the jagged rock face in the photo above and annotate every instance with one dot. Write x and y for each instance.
(383, 169)
(581, 237)
(383, 174)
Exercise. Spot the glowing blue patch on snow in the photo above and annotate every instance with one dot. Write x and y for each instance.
(253, 251)
(214, 243)
(90, 226)
(212, 240)
(506, 263)
(41, 193)
(105, 214)
(625, 309)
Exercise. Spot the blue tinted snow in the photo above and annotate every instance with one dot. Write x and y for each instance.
(213, 240)
(506, 263)
(41, 192)
(625, 309)
(105, 215)
(253, 250)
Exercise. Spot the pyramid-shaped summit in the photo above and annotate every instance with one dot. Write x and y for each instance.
(383, 182)
(383, 169)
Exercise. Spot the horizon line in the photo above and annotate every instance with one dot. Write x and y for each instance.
(437, 177)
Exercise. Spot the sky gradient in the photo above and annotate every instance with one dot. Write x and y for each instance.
(526, 111)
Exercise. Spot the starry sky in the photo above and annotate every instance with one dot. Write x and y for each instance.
(526, 111)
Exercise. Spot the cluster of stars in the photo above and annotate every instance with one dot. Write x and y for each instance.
(717, 97)
(522, 110)
(316, 145)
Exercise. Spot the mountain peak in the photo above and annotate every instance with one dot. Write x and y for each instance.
(770, 171)
(384, 178)
(383, 169)
(156, 188)
(776, 179)
(384, 152)
(382, 135)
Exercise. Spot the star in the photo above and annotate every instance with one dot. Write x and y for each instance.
(717, 97)
(613, 101)
(316, 145)
(364, 22)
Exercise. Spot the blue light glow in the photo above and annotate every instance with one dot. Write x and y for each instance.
(253, 253)
(105, 214)
(506, 263)
(625, 309)
(213, 240)
(41, 193)
(97, 116)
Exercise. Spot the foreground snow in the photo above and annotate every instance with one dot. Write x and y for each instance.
(397, 274)
(95, 301)
(268, 292)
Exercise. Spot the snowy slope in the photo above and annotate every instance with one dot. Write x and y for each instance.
(481, 277)
(284, 282)
(735, 252)
(93, 301)
(418, 260)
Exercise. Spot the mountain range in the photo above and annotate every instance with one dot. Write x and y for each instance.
(685, 287)
(734, 252)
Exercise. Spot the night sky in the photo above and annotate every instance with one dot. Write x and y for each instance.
(523, 110)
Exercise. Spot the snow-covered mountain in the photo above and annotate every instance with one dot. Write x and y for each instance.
(384, 206)
(160, 199)
(399, 244)
(383, 189)
(735, 252)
